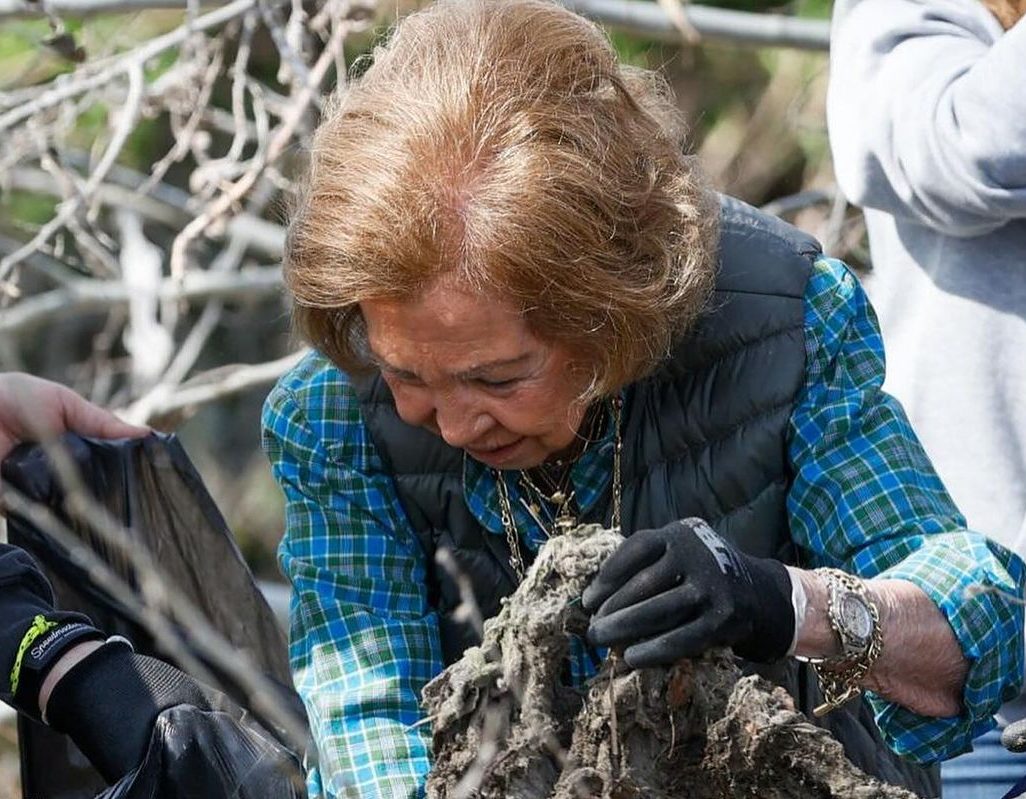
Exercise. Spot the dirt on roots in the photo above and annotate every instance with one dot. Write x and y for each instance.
(506, 724)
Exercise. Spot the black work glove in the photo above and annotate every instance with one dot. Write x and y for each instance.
(677, 591)
(219, 754)
(109, 702)
(158, 733)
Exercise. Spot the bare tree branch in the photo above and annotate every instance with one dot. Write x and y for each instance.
(82, 295)
(212, 386)
(104, 71)
(740, 27)
(31, 8)
(165, 204)
(636, 16)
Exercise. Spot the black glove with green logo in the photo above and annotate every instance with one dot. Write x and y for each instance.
(680, 590)
(157, 732)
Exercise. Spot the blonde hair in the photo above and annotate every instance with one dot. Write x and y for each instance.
(1008, 12)
(501, 143)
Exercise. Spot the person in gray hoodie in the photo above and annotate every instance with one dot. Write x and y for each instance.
(927, 119)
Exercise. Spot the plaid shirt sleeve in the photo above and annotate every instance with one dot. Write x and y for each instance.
(866, 499)
(363, 641)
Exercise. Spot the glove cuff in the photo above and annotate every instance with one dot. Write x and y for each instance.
(44, 643)
(772, 639)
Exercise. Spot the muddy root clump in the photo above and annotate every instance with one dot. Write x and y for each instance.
(506, 723)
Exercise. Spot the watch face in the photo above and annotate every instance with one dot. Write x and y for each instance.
(855, 619)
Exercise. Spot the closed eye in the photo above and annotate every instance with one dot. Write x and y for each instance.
(406, 378)
(496, 384)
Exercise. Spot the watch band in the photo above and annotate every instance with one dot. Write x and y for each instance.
(841, 677)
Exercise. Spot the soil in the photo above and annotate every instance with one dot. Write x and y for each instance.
(506, 723)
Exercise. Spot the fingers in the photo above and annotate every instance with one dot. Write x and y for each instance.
(86, 419)
(689, 641)
(636, 553)
(649, 582)
(646, 619)
(32, 409)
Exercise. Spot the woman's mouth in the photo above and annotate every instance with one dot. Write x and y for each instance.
(496, 456)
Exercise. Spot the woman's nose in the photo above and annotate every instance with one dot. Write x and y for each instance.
(460, 422)
(449, 414)
(415, 406)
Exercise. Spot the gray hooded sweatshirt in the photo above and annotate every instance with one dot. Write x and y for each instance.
(927, 118)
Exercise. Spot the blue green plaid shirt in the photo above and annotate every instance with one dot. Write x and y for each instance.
(364, 639)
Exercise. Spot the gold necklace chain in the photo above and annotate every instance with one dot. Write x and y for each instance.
(509, 525)
(558, 505)
(559, 492)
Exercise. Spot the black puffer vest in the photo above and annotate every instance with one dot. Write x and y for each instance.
(706, 435)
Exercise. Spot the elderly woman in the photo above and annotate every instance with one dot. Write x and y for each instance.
(529, 312)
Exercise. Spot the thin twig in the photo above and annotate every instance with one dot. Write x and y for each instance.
(282, 136)
(614, 733)
(81, 295)
(468, 609)
(184, 137)
(103, 72)
(678, 16)
(216, 384)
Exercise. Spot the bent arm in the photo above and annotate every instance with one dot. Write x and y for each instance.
(865, 499)
(24, 594)
(927, 112)
(363, 638)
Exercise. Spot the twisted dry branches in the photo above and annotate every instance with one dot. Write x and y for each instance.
(203, 206)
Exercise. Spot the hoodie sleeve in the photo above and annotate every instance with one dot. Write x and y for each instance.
(24, 593)
(927, 112)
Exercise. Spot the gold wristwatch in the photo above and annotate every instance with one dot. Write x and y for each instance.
(856, 620)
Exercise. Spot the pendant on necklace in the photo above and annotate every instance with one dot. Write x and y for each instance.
(558, 499)
(564, 523)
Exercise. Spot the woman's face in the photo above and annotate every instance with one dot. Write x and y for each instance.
(465, 366)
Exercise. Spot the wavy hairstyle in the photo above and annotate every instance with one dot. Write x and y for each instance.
(500, 143)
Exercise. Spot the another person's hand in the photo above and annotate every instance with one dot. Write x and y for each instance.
(680, 590)
(1013, 737)
(32, 408)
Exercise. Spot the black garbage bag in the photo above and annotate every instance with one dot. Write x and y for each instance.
(152, 488)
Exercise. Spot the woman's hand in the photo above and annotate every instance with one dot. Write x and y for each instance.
(677, 591)
(32, 409)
